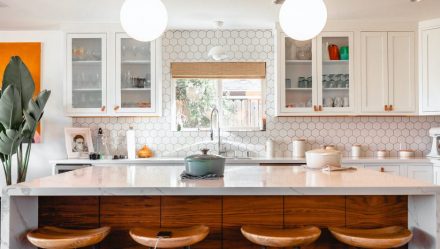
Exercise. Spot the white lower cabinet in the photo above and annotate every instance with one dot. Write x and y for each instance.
(436, 173)
(421, 172)
(426, 173)
(389, 169)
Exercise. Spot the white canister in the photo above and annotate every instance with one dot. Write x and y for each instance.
(299, 148)
(382, 153)
(407, 153)
(269, 148)
(356, 150)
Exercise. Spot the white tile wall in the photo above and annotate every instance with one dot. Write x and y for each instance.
(258, 45)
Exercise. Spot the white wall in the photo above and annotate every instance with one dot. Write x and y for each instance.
(52, 77)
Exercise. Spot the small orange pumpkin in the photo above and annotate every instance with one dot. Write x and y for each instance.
(145, 152)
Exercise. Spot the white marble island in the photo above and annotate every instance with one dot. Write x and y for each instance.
(20, 202)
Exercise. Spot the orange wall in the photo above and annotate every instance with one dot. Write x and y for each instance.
(29, 52)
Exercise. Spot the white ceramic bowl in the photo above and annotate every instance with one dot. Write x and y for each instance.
(318, 159)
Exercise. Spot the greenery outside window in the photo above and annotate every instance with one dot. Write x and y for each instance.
(240, 103)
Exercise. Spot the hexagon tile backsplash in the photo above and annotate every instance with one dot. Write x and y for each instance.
(373, 133)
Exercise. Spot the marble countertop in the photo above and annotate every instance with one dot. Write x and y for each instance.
(238, 180)
(256, 160)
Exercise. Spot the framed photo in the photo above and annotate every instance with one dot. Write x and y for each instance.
(78, 142)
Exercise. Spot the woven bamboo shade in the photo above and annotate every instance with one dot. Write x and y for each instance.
(218, 70)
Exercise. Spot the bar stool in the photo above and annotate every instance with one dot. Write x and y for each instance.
(279, 237)
(386, 237)
(180, 237)
(56, 238)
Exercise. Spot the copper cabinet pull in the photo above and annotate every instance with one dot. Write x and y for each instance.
(116, 108)
(103, 108)
(391, 108)
(320, 108)
(382, 169)
(315, 108)
(386, 108)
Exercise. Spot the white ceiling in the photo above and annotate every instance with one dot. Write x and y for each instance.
(199, 14)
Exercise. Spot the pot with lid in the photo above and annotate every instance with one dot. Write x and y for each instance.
(204, 164)
(318, 159)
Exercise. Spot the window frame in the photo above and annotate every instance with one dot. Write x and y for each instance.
(219, 104)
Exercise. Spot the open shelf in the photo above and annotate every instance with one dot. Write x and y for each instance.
(136, 89)
(336, 62)
(87, 89)
(336, 89)
(298, 61)
(136, 62)
(299, 89)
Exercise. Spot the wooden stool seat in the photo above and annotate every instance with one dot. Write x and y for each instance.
(387, 237)
(180, 237)
(279, 238)
(56, 238)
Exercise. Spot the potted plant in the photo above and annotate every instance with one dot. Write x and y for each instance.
(20, 114)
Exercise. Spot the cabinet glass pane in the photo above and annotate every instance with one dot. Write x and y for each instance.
(135, 74)
(86, 73)
(335, 72)
(298, 73)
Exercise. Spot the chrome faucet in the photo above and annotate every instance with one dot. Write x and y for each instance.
(215, 110)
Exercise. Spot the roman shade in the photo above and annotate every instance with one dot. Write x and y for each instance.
(218, 70)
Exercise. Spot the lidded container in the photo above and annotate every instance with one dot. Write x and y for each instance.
(321, 158)
(204, 164)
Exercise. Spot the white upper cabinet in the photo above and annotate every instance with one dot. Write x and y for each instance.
(374, 72)
(388, 79)
(430, 71)
(110, 74)
(86, 74)
(401, 70)
(309, 81)
(136, 78)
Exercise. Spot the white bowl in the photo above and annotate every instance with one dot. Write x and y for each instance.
(318, 159)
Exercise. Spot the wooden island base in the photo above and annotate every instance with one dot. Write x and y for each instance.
(223, 214)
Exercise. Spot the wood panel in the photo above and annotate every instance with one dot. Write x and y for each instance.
(251, 210)
(321, 211)
(181, 211)
(219, 70)
(122, 213)
(376, 211)
(80, 212)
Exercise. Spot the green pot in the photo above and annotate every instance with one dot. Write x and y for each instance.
(204, 164)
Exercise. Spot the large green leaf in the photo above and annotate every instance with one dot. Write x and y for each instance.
(11, 112)
(17, 74)
(34, 112)
(9, 141)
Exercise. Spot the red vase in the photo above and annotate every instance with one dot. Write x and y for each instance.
(333, 52)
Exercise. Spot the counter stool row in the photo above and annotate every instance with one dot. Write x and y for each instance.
(388, 237)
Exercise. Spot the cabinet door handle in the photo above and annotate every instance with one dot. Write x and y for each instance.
(382, 169)
(391, 108)
(103, 108)
(386, 108)
(320, 108)
(116, 108)
(315, 108)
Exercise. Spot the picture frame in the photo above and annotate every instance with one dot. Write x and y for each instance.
(79, 142)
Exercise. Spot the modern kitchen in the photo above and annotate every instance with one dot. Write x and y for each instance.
(220, 124)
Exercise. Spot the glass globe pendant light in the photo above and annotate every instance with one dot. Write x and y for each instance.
(303, 19)
(144, 20)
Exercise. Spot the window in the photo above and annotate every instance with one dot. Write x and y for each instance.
(239, 101)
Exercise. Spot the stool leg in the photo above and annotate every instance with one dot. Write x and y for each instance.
(187, 247)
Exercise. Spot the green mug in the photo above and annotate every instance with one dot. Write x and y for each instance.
(344, 53)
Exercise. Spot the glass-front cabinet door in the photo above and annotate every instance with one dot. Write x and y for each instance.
(135, 76)
(298, 92)
(86, 74)
(335, 72)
